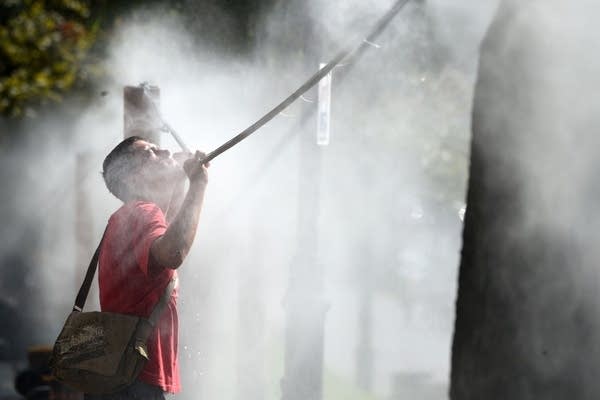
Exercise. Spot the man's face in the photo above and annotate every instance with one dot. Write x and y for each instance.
(155, 169)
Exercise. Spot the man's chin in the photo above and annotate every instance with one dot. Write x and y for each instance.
(172, 170)
(170, 163)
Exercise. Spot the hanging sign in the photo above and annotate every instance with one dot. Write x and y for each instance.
(324, 113)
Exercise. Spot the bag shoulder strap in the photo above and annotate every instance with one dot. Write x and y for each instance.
(87, 281)
(89, 277)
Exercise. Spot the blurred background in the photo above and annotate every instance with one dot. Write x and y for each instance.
(340, 257)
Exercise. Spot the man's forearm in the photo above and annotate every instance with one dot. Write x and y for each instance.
(176, 201)
(171, 249)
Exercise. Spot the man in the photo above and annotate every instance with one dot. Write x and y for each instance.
(141, 251)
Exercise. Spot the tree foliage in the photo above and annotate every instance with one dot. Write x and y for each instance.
(44, 48)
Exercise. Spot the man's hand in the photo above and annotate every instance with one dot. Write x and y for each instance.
(195, 168)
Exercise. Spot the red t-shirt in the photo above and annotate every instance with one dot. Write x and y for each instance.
(130, 284)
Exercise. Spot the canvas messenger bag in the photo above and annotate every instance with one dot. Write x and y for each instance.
(102, 352)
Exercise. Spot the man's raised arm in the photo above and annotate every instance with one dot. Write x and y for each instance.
(171, 249)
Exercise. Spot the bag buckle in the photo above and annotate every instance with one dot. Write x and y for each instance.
(140, 347)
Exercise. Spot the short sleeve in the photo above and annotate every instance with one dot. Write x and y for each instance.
(149, 225)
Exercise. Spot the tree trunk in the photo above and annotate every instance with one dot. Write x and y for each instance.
(527, 307)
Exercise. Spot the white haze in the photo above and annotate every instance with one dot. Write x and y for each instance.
(398, 152)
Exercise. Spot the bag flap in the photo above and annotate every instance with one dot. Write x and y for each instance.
(94, 341)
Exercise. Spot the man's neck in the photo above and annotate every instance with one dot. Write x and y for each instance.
(162, 203)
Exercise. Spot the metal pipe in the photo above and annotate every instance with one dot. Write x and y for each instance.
(348, 52)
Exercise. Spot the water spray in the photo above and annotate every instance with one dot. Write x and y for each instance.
(164, 126)
(350, 52)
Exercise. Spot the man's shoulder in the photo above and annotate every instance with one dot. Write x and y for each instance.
(145, 207)
(137, 210)
(138, 207)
